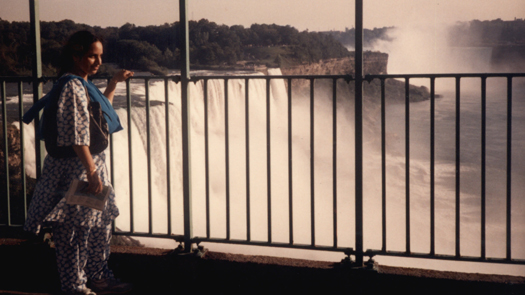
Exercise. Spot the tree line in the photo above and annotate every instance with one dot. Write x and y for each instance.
(347, 37)
(156, 48)
(488, 33)
(473, 33)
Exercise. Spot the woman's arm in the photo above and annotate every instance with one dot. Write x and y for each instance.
(95, 184)
(120, 76)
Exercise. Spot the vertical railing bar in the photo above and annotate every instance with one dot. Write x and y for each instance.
(227, 157)
(184, 42)
(247, 136)
(483, 163)
(312, 168)
(148, 150)
(334, 159)
(432, 166)
(36, 59)
(6, 150)
(22, 145)
(112, 164)
(509, 170)
(130, 156)
(290, 165)
(268, 159)
(383, 163)
(207, 158)
(168, 159)
(359, 252)
(458, 164)
(407, 162)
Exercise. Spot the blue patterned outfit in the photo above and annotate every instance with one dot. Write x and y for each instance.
(81, 234)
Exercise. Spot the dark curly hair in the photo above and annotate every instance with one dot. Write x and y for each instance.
(77, 45)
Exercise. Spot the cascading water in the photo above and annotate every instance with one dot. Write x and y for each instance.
(237, 162)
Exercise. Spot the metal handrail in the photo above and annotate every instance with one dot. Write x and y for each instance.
(312, 245)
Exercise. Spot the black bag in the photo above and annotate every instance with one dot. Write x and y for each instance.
(98, 131)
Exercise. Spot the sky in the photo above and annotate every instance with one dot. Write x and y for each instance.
(312, 15)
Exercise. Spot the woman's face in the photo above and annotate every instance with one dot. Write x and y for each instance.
(90, 62)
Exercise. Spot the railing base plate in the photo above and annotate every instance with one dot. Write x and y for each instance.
(198, 251)
(370, 265)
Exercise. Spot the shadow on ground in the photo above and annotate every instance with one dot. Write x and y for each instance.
(29, 268)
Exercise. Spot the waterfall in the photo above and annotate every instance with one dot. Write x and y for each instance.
(237, 162)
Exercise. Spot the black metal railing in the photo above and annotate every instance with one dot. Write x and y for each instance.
(314, 241)
(483, 166)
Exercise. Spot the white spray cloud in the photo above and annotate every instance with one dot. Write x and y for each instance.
(424, 48)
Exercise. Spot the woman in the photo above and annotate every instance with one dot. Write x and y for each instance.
(81, 234)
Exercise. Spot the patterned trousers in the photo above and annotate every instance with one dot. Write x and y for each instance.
(82, 253)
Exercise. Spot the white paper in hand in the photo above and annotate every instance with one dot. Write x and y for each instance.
(77, 195)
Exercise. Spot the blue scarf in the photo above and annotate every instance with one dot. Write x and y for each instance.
(94, 94)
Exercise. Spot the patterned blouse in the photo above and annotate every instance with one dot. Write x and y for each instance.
(48, 202)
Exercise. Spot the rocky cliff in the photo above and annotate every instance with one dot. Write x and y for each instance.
(16, 201)
(373, 63)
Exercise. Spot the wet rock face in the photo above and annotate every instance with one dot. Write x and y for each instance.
(11, 181)
(13, 145)
(374, 63)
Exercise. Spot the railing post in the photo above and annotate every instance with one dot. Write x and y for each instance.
(34, 12)
(185, 110)
(359, 132)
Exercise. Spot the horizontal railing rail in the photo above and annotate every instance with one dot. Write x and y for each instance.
(444, 75)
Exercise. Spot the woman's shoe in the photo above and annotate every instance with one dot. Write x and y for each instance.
(85, 291)
(106, 286)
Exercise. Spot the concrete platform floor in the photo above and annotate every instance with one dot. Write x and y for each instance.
(29, 268)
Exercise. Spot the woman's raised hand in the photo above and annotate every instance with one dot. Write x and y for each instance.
(119, 76)
(122, 75)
